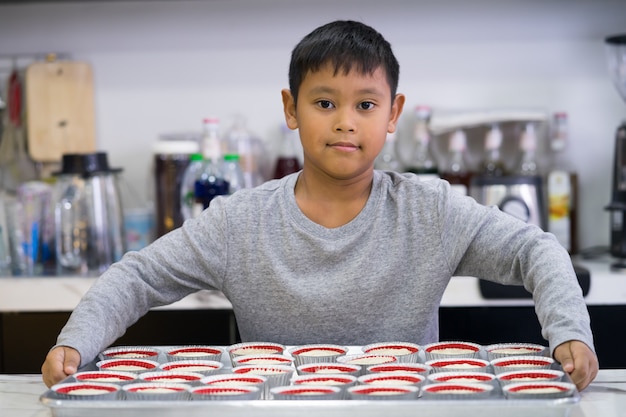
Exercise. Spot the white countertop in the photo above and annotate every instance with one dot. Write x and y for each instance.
(50, 294)
(605, 397)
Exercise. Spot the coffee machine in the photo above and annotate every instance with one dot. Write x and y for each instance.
(615, 47)
(520, 196)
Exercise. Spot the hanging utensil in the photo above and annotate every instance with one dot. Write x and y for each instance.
(16, 166)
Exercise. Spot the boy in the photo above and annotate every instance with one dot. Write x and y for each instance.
(339, 252)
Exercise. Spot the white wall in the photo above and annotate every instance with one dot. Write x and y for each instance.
(160, 66)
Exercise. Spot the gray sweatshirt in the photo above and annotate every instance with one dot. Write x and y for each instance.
(378, 278)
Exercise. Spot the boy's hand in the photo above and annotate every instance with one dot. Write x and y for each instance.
(578, 361)
(61, 362)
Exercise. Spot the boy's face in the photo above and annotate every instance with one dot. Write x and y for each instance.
(343, 119)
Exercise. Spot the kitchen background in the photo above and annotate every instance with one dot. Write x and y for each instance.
(162, 66)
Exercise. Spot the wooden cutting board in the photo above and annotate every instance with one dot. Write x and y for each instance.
(60, 116)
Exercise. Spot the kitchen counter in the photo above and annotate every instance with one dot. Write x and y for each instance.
(606, 397)
(45, 294)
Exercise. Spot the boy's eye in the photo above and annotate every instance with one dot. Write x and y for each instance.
(366, 105)
(325, 104)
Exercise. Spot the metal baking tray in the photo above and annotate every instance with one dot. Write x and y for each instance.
(496, 406)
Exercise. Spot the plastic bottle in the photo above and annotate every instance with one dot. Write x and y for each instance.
(233, 173)
(386, 159)
(211, 182)
(493, 165)
(251, 150)
(527, 164)
(456, 171)
(287, 161)
(562, 185)
(422, 162)
(187, 188)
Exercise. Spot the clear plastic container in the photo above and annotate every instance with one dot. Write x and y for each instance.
(233, 173)
(417, 147)
(187, 187)
(253, 155)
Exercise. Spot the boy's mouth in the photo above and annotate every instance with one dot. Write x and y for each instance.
(344, 146)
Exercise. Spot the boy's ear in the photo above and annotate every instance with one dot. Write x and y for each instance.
(396, 111)
(289, 107)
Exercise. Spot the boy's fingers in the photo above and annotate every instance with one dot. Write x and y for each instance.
(71, 361)
(59, 364)
(565, 357)
(578, 361)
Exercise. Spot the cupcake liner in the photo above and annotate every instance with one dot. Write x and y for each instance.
(330, 368)
(364, 360)
(383, 392)
(405, 352)
(541, 375)
(196, 352)
(306, 392)
(452, 391)
(262, 360)
(130, 352)
(81, 391)
(503, 350)
(232, 379)
(459, 365)
(518, 363)
(417, 368)
(113, 377)
(181, 377)
(254, 348)
(539, 390)
(442, 350)
(316, 353)
(277, 375)
(342, 381)
(128, 365)
(156, 391)
(392, 378)
(465, 378)
(217, 393)
(197, 366)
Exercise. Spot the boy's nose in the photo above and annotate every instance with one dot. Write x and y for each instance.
(345, 121)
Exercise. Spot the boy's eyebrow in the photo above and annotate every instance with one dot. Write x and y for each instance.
(328, 90)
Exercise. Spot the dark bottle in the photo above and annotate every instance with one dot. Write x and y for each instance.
(171, 159)
(287, 161)
(493, 165)
(209, 186)
(456, 171)
(422, 162)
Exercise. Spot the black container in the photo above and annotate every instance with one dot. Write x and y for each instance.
(171, 158)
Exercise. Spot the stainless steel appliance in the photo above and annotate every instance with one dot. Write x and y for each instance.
(616, 57)
(520, 196)
(524, 198)
(88, 214)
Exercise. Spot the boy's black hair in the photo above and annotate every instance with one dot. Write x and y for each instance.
(346, 45)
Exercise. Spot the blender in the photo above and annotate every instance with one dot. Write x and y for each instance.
(615, 47)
